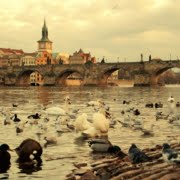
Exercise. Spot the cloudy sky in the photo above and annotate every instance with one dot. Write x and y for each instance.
(116, 29)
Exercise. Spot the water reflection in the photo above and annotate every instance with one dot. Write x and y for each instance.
(4, 168)
(43, 95)
(80, 141)
(4, 176)
(30, 167)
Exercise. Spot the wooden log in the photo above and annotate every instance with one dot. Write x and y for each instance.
(128, 174)
(104, 161)
(145, 174)
(157, 175)
(170, 176)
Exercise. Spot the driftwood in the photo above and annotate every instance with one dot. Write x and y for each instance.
(117, 169)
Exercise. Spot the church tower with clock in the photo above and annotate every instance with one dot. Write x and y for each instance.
(44, 44)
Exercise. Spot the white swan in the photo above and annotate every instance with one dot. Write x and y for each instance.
(98, 128)
(91, 133)
(93, 103)
(171, 99)
(101, 123)
(81, 123)
(58, 111)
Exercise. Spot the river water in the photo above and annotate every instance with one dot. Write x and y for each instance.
(58, 159)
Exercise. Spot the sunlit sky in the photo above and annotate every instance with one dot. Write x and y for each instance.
(115, 29)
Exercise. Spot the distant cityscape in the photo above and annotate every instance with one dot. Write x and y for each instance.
(45, 55)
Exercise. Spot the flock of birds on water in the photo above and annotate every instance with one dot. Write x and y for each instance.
(94, 130)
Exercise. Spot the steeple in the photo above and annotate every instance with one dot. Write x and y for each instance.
(44, 44)
(44, 32)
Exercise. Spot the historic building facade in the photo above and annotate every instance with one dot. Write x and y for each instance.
(80, 58)
(28, 59)
(10, 57)
(8, 51)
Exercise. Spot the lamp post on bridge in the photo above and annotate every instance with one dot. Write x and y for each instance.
(118, 59)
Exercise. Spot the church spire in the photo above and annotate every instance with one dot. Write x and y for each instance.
(44, 32)
(44, 44)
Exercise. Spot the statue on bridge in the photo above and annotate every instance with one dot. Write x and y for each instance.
(149, 57)
(48, 60)
(141, 57)
(103, 61)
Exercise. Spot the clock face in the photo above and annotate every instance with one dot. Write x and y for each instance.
(42, 45)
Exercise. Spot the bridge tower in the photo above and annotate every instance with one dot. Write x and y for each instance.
(44, 44)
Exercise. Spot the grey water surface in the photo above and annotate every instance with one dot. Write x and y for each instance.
(58, 159)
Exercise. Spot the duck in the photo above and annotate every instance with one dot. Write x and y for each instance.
(160, 115)
(178, 104)
(158, 105)
(170, 155)
(136, 112)
(5, 157)
(19, 129)
(147, 132)
(122, 112)
(34, 116)
(136, 155)
(103, 145)
(149, 105)
(14, 105)
(27, 148)
(126, 102)
(15, 118)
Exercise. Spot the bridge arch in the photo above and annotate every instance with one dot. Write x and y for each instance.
(168, 76)
(29, 76)
(108, 72)
(61, 78)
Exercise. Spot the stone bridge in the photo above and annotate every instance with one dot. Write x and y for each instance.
(143, 73)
